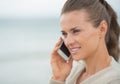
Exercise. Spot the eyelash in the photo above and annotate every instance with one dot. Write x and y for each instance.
(75, 31)
(63, 33)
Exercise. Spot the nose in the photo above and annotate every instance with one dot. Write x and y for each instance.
(69, 41)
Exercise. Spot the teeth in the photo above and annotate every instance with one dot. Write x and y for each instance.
(74, 50)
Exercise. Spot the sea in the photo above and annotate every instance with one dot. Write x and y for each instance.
(25, 47)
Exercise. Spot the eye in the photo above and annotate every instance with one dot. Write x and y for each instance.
(76, 31)
(64, 34)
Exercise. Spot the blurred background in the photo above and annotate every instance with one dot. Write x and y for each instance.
(28, 31)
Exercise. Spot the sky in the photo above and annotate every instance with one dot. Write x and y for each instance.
(35, 8)
(30, 8)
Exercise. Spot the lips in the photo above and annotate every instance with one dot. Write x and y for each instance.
(74, 50)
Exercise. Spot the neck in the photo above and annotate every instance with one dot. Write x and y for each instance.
(97, 62)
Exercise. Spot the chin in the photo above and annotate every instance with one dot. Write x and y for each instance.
(78, 57)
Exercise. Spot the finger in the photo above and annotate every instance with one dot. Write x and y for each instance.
(54, 54)
(59, 42)
(57, 45)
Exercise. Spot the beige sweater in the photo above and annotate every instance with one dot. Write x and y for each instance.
(109, 75)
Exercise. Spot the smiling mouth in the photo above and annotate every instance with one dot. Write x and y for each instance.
(74, 50)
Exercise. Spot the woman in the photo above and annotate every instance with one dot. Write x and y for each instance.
(91, 33)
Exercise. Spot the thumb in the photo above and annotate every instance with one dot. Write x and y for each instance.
(70, 61)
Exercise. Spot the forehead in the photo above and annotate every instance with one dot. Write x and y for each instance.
(74, 17)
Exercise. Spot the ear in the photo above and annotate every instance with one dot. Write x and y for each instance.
(103, 27)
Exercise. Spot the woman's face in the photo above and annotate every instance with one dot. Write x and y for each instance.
(79, 34)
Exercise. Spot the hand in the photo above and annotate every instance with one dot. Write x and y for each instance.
(60, 68)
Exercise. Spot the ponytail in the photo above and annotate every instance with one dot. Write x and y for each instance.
(112, 36)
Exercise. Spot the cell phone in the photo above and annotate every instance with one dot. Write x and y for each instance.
(64, 52)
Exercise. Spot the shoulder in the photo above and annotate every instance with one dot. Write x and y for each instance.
(115, 66)
(114, 73)
(109, 75)
(116, 81)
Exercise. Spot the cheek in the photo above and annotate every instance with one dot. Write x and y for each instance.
(90, 40)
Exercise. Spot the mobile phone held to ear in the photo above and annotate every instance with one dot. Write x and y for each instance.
(64, 52)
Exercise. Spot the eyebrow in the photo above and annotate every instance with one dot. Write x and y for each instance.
(71, 29)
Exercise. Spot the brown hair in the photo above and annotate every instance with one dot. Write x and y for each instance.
(98, 11)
